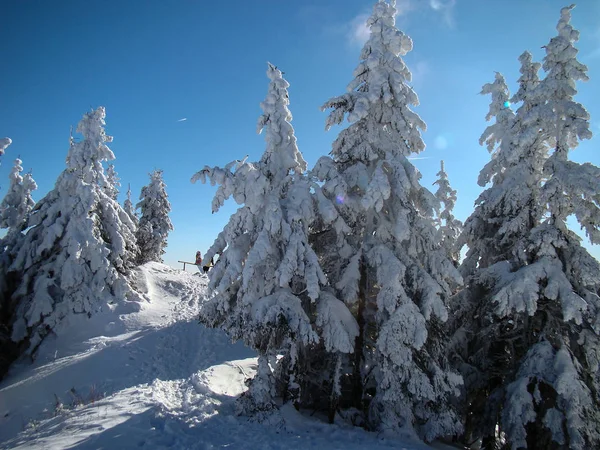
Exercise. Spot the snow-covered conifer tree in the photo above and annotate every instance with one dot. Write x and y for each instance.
(482, 228)
(154, 225)
(17, 203)
(267, 286)
(129, 208)
(449, 227)
(4, 143)
(532, 361)
(75, 256)
(14, 212)
(397, 278)
(112, 182)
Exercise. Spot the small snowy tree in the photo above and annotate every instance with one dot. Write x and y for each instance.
(449, 227)
(129, 208)
(112, 182)
(17, 203)
(531, 363)
(397, 278)
(267, 286)
(75, 257)
(4, 143)
(154, 224)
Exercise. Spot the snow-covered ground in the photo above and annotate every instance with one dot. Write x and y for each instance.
(152, 379)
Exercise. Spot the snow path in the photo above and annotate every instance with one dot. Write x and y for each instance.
(152, 379)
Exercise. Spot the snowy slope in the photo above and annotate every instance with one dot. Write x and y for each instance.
(152, 379)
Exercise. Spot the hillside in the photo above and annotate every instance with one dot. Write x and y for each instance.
(152, 379)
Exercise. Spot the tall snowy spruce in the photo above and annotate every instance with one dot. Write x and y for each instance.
(75, 256)
(532, 307)
(14, 213)
(154, 224)
(449, 227)
(267, 286)
(393, 275)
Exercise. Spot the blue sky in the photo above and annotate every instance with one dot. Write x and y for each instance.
(153, 63)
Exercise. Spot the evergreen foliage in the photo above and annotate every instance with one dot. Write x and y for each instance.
(530, 319)
(76, 255)
(449, 227)
(394, 275)
(267, 286)
(154, 224)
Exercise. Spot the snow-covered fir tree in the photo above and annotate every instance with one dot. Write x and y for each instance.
(75, 257)
(112, 182)
(484, 229)
(129, 208)
(531, 361)
(267, 286)
(154, 224)
(4, 143)
(395, 277)
(17, 203)
(449, 227)
(14, 212)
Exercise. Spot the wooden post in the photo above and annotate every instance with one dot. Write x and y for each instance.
(186, 262)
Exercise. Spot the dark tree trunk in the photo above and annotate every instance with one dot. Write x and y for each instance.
(360, 339)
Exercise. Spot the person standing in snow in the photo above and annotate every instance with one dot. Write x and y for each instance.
(199, 261)
(206, 267)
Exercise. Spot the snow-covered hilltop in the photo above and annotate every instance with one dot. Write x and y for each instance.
(156, 379)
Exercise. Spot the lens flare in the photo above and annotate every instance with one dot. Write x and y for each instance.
(339, 199)
(507, 104)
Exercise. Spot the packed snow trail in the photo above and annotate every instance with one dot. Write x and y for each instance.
(152, 379)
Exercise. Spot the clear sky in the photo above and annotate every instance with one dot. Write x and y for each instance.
(182, 80)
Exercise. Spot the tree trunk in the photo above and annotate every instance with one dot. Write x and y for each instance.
(360, 339)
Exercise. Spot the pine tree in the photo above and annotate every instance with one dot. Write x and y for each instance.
(267, 286)
(449, 227)
(17, 203)
(531, 363)
(75, 257)
(154, 225)
(14, 213)
(397, 278)
(129, 208)
(484, 229)
(112, 182)
(4, 143)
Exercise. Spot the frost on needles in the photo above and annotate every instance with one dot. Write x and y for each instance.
(529, 320)
(76, 255)
(391, 269)
(154, 225)
(267, 285)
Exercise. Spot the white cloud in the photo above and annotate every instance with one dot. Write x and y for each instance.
(359, 32)
(403, 7)
(446, 9)
(182, 119)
